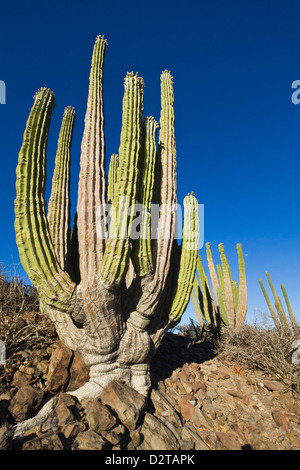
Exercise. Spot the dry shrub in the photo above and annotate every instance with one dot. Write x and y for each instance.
(22, 326)
(263, 348)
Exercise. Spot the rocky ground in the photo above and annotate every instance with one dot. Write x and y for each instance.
(197, 402)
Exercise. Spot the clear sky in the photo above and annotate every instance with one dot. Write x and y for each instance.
(237, 130)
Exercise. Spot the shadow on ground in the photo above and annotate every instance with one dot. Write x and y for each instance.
(174, 352)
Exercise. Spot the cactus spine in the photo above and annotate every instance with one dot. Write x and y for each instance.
(227, 303)
(111, 297)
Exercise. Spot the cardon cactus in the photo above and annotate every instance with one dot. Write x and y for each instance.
(111, 296)
(280, 318)
(226, 304)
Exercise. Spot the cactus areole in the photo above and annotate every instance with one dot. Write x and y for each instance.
(111, 297)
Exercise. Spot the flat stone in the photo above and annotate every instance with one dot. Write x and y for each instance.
(58, 372)
(48, 441)
(128, 404)
(89, 440)
(99, 417)
(229, 441)
(156, 436)
(79, 373)
(26, 402)
(186, 409)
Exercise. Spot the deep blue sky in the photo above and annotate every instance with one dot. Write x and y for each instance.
(237, 130)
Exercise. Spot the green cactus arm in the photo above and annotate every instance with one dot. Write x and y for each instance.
(142, 254)
(59, 202)
(242, 305)
(212, 271)
(222, 306)
(168, 191)
(112, 177)
(221, 279)
(235, 291)
(278, 305)
(32, 230)
(92, 177)
(188, 260)
(198, 296)
(197, 308)
(228, 294)
(203, 280)
(272, 311)
(291, 314)
(166, 185)
(116, 257)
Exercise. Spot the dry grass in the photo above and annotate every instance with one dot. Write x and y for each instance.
(264, 348)
(22, 326)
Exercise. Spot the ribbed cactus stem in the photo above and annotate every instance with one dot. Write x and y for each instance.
(204, 290)
(291, 314)
(59, 202)
(272, 311)
(167, 185)
(242, 304)
(212, 270)
(115, 261)
(278, 305)
(112, 177)
(142, 256)
(32, 230)
(228, 294)
(188, 259)
(92, 178)
(197, 305)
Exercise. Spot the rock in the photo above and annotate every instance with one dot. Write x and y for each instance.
(89, 440)
(26, 402)
(229, 441)
(47, 441)
(79, 373)
(73, 428)
(5, 438)
(99, 417)
(281, 419)
(117, 435)
(126, 402)
(19, 380)
(191, 436)
(64, 408)
(58, 374)
(273, 385)
(156, 436)
(186, 408)
(199, 420)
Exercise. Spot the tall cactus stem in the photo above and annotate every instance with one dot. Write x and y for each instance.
(242, 304)
(142, 255)
(188, 259)
(272, 311)
(59, 203)
(92, 179)
(291, 314)
(228, 294)
(278, 305)
(31, 225)
(116, 257)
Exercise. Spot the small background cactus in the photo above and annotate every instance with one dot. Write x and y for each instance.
(278, 314)
(226, 304)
